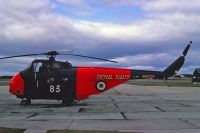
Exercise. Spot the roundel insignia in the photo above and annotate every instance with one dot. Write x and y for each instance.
(101, 86)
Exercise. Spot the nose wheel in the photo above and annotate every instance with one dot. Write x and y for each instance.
(25, 102)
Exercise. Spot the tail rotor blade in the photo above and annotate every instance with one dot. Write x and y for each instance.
(187, 48)
(177, 64)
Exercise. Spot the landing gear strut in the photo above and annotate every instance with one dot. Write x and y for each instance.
(25, 102)
(67, 102)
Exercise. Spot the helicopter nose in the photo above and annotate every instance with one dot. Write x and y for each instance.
(17, 85)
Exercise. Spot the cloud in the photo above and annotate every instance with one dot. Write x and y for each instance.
(145, 59)
(124, 3)
(189, 69)
(142, 67)
(71, 2)
(13, 65)
(152, 40)
(172, 6)
(51, 26)
(23, 32)
(18, 9)
(158, 6)
(165, 28)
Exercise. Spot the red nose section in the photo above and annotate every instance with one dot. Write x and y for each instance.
(17, 85)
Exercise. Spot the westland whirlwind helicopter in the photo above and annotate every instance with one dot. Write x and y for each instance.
(58, 80)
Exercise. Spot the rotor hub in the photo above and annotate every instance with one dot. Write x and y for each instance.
(52, 55)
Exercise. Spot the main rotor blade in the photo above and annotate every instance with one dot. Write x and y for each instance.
(65, 50)
(85, 56)
(56, 53)
(25, 55)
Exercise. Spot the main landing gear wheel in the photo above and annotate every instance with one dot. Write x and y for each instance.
(25, 102)
(67, 102)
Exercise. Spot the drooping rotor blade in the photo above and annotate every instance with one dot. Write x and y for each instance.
(25, 55)
(65, 50)
(85, 56)
(52, 54)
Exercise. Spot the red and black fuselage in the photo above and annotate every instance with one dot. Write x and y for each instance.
(71, 82)
(50, 79)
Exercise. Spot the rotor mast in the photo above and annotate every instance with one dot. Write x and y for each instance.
(52, 55)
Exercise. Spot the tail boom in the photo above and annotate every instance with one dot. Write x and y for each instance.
(145, 74)
(168, 72)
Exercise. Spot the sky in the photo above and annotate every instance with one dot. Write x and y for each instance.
(139, 34)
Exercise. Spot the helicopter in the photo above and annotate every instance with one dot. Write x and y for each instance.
(58, 80)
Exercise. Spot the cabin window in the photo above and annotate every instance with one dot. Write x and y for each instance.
(37, 67)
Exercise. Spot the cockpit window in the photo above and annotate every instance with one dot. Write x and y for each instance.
(56, 65)
(45, 66)
(38, 66)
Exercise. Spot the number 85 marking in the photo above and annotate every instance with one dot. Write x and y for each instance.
(55, 88)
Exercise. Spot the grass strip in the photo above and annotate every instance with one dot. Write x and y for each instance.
(78, 131)
(11, 130)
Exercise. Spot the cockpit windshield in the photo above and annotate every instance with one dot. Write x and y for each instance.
(45, 65)
(57, 65)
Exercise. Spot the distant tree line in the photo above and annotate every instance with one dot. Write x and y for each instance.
(6, 77)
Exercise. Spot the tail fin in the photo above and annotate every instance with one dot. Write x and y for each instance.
(176, 65)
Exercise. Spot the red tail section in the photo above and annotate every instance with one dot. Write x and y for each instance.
(95, 80)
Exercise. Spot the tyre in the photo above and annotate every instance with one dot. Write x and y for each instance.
(23, 103)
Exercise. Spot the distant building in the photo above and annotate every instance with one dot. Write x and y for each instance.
(196, 75)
